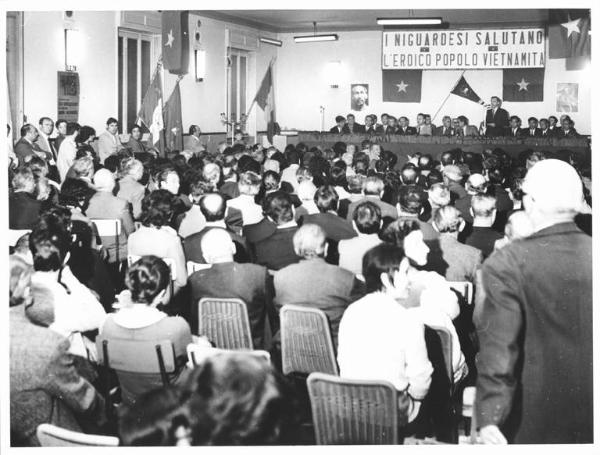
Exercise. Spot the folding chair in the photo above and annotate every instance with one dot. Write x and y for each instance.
(109, 228)
(197, 354)
(137, 357)
(464, 288)
(225, 323)
(53, 436)
(306, 344)
(349, 411)
(195, 266)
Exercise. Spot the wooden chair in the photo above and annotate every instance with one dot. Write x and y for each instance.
(195, 266)
(225, 323)
(137, 357)
(53, 436)
(306, 344)
(347, 411)
(197, 354)
(109, 228)
(464, 288)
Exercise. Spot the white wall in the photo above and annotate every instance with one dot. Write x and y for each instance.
(301, 85)
(44, 56)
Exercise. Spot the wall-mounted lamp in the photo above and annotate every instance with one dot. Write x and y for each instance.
(200, 64)
(272, 41)
(72, 48)
(332, 73)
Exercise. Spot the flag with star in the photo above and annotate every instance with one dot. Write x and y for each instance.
(175, 42)
(401, 86)
(523, 84)
(569, 33)
(150, 115)
(173, 124)
(464, 90)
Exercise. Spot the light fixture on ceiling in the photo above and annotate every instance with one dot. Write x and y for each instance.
(200, 64)
(272, 41)
(314, 37)
(72, 49)
(410, 21)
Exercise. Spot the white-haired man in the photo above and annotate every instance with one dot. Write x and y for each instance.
(535, 378)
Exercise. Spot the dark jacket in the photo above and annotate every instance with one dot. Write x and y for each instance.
(357, 129)
(270, 246)
(535, 377)
(193, 250)
(499, 119)
(410, 131)
(483, 238)
(23, 210)
(439, 131)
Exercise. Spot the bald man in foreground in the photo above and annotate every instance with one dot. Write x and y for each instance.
(228, 279)
(535, 378)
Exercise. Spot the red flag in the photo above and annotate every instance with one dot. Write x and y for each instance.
(401, 86)
(175, 41)
(173, 123)
(523, 84)
(464, 90)
(151, 112)
(265, 98)
(569, 33)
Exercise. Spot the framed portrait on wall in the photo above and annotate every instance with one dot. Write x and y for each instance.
(567, 97)
(359, 97)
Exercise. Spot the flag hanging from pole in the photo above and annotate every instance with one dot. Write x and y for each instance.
(175, 42)
(464, 90)
(265, 98)
(569, 33)
(151, 112)
(173, 122)
(401, 86)
(523, 84)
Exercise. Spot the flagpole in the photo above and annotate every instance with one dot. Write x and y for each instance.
(448, 96)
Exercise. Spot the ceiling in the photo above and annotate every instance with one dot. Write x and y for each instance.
(292, 21)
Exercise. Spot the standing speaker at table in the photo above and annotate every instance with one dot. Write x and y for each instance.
(496, 118)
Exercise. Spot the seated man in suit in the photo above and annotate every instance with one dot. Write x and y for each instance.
(26, 147)
(514, 130)
(391, 127)
(192, 142)
(227, 278)
(373, 188)
(335, 227)
(23, 207)
(423, 129)
(446, 128)
(545, 130)
(312, 282)
(404, 129)
(369, 127)
(351, 127)
(462, 260)
(109, 142)
(496, 118)
(533, 130)
(482, 235)
(213, 208)
(367, 222)
(464, 129)
(568, 129)
(271, 239)
(340, 121)
(554, 125)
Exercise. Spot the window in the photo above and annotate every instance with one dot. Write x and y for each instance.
(137, 61)
(236, 83)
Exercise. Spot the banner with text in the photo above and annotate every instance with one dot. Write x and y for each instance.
(463, 49)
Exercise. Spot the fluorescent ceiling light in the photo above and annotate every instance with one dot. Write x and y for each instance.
(312, 38)
(274, 42)
(410, 21)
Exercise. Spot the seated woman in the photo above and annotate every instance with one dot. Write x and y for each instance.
(139, 319)
(378, 337)
(229, 399)
(156, 238)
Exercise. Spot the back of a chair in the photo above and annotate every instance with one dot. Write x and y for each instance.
(195, 266)
(135, 356)
(347, 411)
(109, 228)
(197, 353)
(445, 338)
(225, 323)
(306, 344)
(53, 436)
(465, 288)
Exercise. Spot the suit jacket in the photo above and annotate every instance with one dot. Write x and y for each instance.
(133, 192)
(104, 206)
(23, 210)
(410, 131)
(193, 144)
(45, 386)
(270, 246)
(483, 238)
(462, 260)
(135, 145)
(548, 132)
(500, 120)
(43, 142)
(316, 284)
(193, 250)
(358, 129)
(336, 130)
(336, 229)
(24, 148)
(439, 131)
(534, 366)
(519, 132)
(388, 129)
(536, 132)
(387, 210)
(560, 133)
(471, 131)
(108, 144)
(248, 282)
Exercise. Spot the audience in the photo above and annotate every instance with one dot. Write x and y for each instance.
(482, 235)
(130, 188)
(23, 206)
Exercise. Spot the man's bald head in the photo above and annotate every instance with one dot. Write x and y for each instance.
(213, 207)
(553, 188)
(217, 246)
